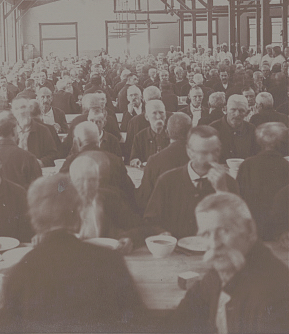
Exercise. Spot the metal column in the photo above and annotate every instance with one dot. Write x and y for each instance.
(285, 23)
(232, 27)
(258, 24)
(210, 23)
(266, 35)
(194, 25)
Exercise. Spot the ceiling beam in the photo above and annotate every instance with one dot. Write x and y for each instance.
(13, 8)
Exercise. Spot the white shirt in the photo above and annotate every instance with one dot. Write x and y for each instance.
(277, 60)
(221, 316)
(226, 55)
(225, 85)
(267, 58)
(138, 110)
(48, 118)
(197, 114)
(194, 176)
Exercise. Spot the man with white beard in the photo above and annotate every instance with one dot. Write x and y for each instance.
(246, 290)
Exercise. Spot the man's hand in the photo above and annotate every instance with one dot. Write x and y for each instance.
(40, 163)
(125, 246)
(217, 177)
(135, 163)
(57, 127)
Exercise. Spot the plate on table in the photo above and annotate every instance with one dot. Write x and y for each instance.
(8, 243)
(105, 242)
(195, 244)
(15, 255)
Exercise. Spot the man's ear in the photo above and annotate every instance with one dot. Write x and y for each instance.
(146, 116)
(224, 110)
(76, 144)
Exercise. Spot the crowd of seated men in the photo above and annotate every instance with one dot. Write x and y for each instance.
(183, 116)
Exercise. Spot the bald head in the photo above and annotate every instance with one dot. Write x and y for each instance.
(198, 79)
(85, 133)
(44, 98)
(272, 136)
(151, 93)
(96, 100)
(178, 126)
(264, 102)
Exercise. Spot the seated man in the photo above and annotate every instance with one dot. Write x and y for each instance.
(177, 192)
(33, 136)
(250, 95)
(14, 221)
(236, 135)
(224, 85)
(29, 91)
(63, 100)
(108, 142)
(195, 109)
(188, 85)
(153, 79)
(65, 284)
(169, 99)
(262, 176)
(51, 115)
(245, 280)
(103, 211)
(18, 165)
(135, 106)
(89, 101)
(122, 100)
(139, 122)
(217, 104)
(152, 139)
(180, 80)
(86, 139)
(173, 156)
(266, 112)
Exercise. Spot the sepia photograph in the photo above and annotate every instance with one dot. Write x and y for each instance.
(144, 166)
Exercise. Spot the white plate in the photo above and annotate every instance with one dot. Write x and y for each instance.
(15, 255)
(195, 244)
(8, 243)
(105, 242)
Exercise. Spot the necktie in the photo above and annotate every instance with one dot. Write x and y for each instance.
(201, 183)
(221, 317)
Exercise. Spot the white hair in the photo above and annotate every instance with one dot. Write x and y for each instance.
(155, 105)
(217, 100)
(61, 84)
(239, 99)
(87, 132)
(266, 99)
(151, 93)
(133, 88)
(198, 79)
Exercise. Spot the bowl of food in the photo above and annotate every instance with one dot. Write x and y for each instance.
(234, 163)
(161, 245)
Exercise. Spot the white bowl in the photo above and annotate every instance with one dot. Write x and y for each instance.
(234, 163)
(59, 163)
(161, 245)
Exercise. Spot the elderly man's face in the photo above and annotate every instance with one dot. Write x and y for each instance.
(203, 151)
(164, 76)
(236, 112)
(101, 100)
(134, 97)
(156, 118)
(133, 80)
(179, 74)
(21, 111)
(3, 82)
(153, 73)
(224, 77)
(45, 99)
(269, 51)
(196, 96)
(226, 243)
(97, 118)
(190, 76)
(42, 78)
(250, 96)
(266, 71)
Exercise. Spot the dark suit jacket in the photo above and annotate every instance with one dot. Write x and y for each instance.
(48, 84)
(59, 118)
(110, 144)
(259, 299)
(147, 143)
(185, 89)
(14, 220)
(174, 199)
(118, 176)
(272, 116)
(110, 127)
(260, 178)
(170, 101)
(27, 94)
(218, 87)
(179, 85)
(239, 143)
(149, 82)
(127, 116)
(171, 157)
(41, 144)
(67, 285)
(187, 110)
(18, 166)
(65, 102)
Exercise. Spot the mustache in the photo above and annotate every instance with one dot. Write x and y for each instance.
(236, 257)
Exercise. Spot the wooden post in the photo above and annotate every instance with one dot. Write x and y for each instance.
(194, 25)
(210, 23)
(266, 34)
(238, 30)
(258, 24)
(232, 27)
(182, 39)
(285, 24)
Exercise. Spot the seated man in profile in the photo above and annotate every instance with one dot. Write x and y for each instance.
(178, 191)
(246, 291)
(152, 139)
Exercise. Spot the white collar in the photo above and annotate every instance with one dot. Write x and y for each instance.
(193, 175)
(101, 135)
(194, 109)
